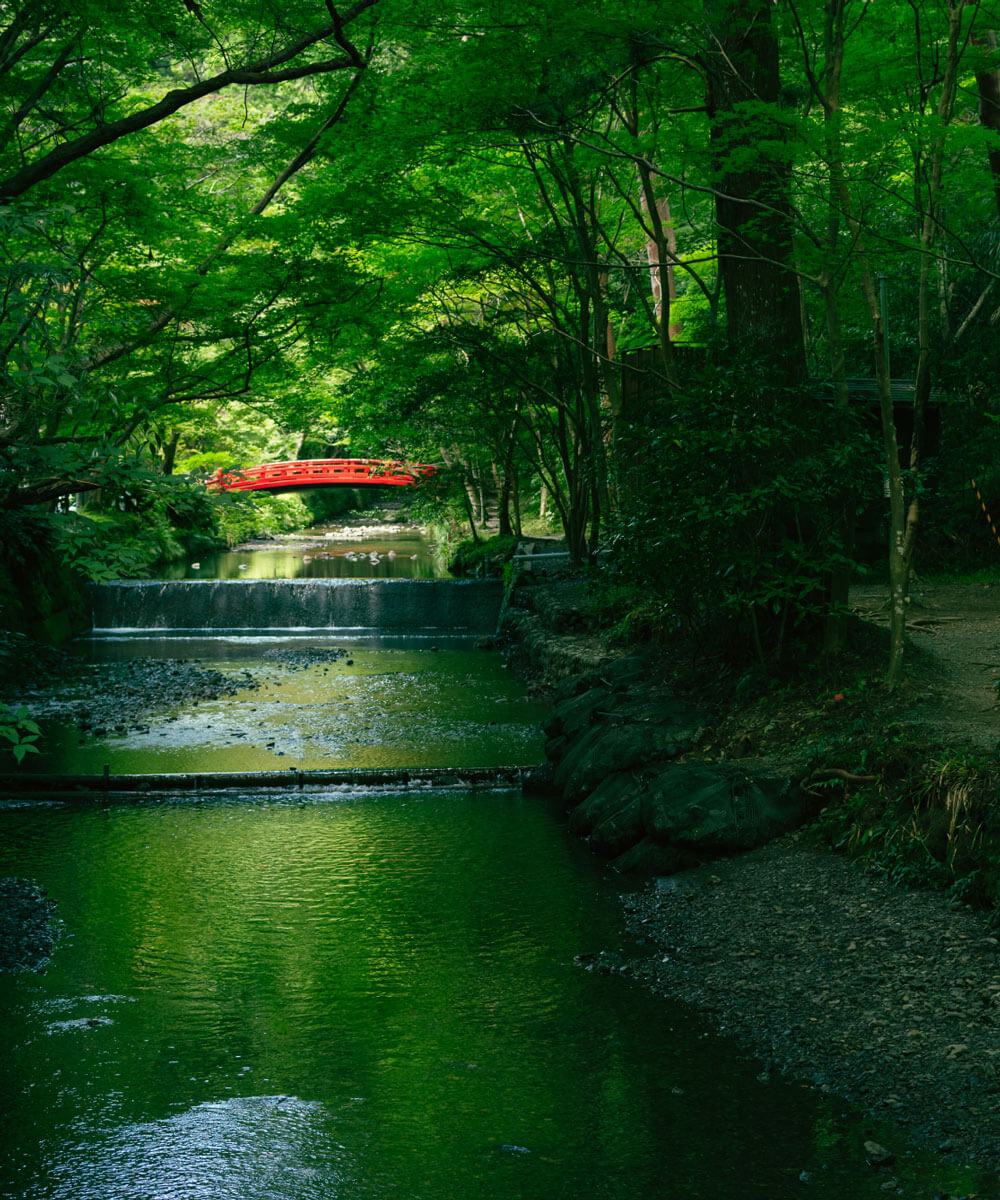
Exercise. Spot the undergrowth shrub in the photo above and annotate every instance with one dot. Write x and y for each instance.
(930, 820)
(244, 516)
(734, 500)
(483, 557)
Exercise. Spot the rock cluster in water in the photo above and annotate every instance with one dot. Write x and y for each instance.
(306, 656)
(29, 926)
(614, 741)
(114, 697)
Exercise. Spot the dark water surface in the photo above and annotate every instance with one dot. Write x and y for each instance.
(336, 552)
(366, 995)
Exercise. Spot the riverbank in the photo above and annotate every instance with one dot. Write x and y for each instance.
(885, 997)
(826, 971)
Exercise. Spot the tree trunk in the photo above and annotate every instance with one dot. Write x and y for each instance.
(753, 217)
(988, 85)
(661, 250)
(170, 451)
(835, 632)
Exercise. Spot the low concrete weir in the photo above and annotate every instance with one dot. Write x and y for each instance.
(285, 605)
(122, 786)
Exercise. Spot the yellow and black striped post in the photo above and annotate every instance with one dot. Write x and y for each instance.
(986, 511)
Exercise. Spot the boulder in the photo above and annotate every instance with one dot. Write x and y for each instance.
(672, 816)
(619, 674)
(619, 828)
(650, 857)
(651, 705)
(574, 713)
(610, 747)
(601, 705)
(716, 808)
(609, 796)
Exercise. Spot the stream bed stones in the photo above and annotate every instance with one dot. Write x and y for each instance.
(114, 696)
(29, 926)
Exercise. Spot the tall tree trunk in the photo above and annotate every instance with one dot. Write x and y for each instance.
(988, 85)
(842, 202)
(661, 250)
(753, 217)
(170, 451)
(928, 168)
(835, 632)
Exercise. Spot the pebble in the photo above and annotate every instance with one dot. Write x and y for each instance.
(878, 1156)
(29, 925)
(119, 696)
(898, 1028)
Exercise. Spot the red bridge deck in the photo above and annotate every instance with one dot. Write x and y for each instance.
(320, 472)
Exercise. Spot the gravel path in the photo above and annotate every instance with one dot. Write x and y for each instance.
(888, 998)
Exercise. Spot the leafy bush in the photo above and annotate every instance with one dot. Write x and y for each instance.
(930, 821)
(484, 557)
(140, 520)
(17, 728)
(733, 501)
(243, 516)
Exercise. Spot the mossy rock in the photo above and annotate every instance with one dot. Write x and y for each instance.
(605, 749)
(718, 809)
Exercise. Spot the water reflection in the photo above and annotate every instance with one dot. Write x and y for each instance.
(318, 709)
(335, 552)
(257, 1146)
(371, 998)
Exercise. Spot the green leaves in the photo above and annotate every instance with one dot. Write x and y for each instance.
(17, 728)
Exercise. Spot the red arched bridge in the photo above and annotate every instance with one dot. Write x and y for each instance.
(320, 472)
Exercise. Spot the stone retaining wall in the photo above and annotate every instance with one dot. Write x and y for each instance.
(622, 747)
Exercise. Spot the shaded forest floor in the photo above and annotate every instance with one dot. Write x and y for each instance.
(953, 660)
(828, 972)
(839, 714)
(832, 976)
(825, 970)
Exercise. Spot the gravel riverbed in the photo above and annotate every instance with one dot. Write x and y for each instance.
(102, 697)
(888, 998)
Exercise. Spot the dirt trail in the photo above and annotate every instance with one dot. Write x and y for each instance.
(953, 661)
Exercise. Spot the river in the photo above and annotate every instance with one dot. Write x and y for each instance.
(374, 993)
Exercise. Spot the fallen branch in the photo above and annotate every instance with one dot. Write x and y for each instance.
(821, 774)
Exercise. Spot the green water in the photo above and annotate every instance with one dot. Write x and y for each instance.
(361, 994)
(377, 707)
(319, 553)
(368, 995)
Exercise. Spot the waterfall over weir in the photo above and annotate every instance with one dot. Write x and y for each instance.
(356, 606)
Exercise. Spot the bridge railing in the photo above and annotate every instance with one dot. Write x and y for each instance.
(320, 472)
